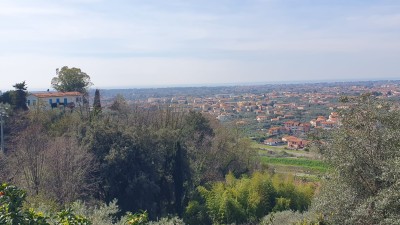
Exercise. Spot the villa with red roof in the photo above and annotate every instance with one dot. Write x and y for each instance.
(294, 142)
(54, 99)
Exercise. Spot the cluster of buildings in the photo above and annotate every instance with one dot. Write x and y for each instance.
(287, 112)
(324, 123)
(297, 129)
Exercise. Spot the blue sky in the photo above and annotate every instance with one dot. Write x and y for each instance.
(178, 42)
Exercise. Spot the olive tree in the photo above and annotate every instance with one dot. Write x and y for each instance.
(364, 153)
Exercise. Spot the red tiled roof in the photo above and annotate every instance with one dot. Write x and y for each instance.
(291, 122)
(328, 122)
(271, 140)
(293, 139)
(274, 128)
(289, 138)
(56, 94)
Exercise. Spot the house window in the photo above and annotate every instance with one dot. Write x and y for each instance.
(65, 101)
(58, 101)
(29, 102)
(33, 102)
(51, 101)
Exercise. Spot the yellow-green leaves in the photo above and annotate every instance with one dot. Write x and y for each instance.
(250, 198)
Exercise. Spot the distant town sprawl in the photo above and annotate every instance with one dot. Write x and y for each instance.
(274, 114)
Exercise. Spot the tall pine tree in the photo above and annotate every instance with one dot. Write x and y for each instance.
(19, 96)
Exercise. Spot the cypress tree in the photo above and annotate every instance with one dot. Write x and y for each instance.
(96, 102)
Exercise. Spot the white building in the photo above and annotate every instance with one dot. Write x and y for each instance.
(54, 99)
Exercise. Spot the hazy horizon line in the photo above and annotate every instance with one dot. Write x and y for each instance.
(248, 83)
(229, 84)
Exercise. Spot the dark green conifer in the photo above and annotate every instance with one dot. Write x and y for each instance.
(96, 102)
(19, 96)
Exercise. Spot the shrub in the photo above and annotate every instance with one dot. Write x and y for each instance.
(12, 212)
(249, 198)
(137, 218)
(167, 221)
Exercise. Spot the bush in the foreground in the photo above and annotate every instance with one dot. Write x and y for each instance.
(364, 187)
(248, 199)
(289, 217)
(168, 221)
(12, 212)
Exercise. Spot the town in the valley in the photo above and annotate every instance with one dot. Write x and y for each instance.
(271, 114)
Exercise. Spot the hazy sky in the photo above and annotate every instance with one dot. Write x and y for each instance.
(175, 42)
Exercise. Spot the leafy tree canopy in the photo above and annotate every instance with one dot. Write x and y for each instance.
(364, 153)
(244, 200)
(71, 79)
(20, 86)
(6, 97)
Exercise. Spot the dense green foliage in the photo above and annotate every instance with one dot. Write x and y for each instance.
(16, 98)
(290, 217)
(6, 97)
(158, 158)
(71, 79)
(248, 199)
(364, 152)
(149, 160)
(137, 218)
(13, 213)
(19, 96)
(96, 102)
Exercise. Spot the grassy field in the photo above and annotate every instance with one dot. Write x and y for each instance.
(301, 163)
